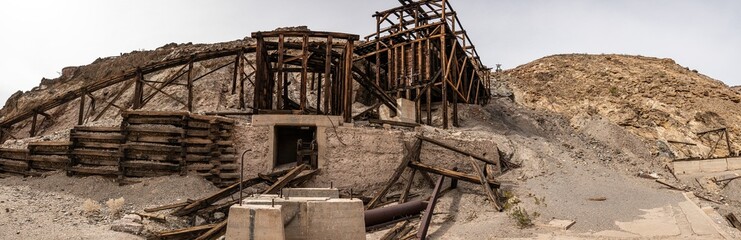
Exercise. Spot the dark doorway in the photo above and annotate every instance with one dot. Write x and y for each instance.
(287, 146)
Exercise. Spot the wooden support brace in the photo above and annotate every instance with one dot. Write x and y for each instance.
(485, 184)
(394, 177)
(285, 179)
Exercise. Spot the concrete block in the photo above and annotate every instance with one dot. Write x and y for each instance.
(293, 210)
(252, 222)
(407, 111)
(734, 163)
(561, 224)
(686, 167)
(713, 165)
(312, 192)
(335, 217)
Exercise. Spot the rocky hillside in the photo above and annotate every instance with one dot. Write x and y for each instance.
(657, 99)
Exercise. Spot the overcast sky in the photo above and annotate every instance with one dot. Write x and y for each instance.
(38, 38)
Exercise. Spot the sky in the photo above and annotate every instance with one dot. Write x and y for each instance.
(40, 37)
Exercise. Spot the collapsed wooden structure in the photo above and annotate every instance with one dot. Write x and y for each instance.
(147, 144)
(419, 52)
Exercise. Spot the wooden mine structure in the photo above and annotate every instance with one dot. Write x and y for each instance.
(419, 52)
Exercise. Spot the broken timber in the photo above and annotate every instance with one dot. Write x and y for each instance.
(412, 160)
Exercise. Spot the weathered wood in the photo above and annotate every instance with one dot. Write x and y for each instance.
(485, 184)
(458, 150)
(205, 202)
(215, 232)
(185, 233)
(407, 187)
(450, 173)
(95, 171)
(662, 182)
(168, 206)
(424, 224)
(282, 182)
(395, 176)
(733, 220)
(394, 123)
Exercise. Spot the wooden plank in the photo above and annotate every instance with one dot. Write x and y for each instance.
(184, 233)
(458, 150)
(97, 161)
(48, 159)
(50, 144)
(93, 136)
(99, 145)
(95, 153)
(395, 123)
(149, 165)
(95, 171)
(285, 179)
(155, 139)
(156, 148)
(165, 207)
(214, 233)
(223, 193)
(146, 129)
(163, 121)
(485, 184)
(14, 163)
(450, 173)
(155, 113)
(97, 129)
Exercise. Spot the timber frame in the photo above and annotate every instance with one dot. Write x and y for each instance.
(421, 52)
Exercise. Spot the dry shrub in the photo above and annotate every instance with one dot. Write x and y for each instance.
(115, 206)
(90, 207)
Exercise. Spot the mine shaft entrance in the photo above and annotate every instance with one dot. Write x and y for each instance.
(295, 144)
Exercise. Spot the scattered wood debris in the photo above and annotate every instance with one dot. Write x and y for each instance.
(597, 199)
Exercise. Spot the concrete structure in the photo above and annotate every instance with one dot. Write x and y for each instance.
(707, 165)
(321, 122)
(316, 217)
(255, 222)
(407, 111)
(312, 192)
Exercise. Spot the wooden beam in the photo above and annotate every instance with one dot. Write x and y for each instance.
(485, 184)
(285, 179)
(215, 232)
(450, 173)
(395, 176)
(190, 84)
(458, 150)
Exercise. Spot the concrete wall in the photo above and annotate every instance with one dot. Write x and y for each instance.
(707, 165)
(357, 158)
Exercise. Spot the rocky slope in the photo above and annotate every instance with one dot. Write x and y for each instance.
(656, 99)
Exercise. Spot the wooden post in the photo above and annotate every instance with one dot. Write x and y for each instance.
(190, 83)
(443, 57)
(33, 125)
(348, 81)
(304, 63)
(455, 110)
(236, 74)
(81, 113)
(138, 89)
(728, 142)
(327, 75)
(279, 104)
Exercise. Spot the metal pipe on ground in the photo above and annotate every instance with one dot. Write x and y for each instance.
(382, 215)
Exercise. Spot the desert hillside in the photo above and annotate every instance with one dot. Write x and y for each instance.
(657, 99)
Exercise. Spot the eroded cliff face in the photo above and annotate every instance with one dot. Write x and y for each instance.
(656, 99)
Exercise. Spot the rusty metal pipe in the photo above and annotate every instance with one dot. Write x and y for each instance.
(387, 214)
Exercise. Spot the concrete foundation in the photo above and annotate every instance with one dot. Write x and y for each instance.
(312, 192)
(317, 217)
(254, 222)
(407, 111)
(707, 165)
